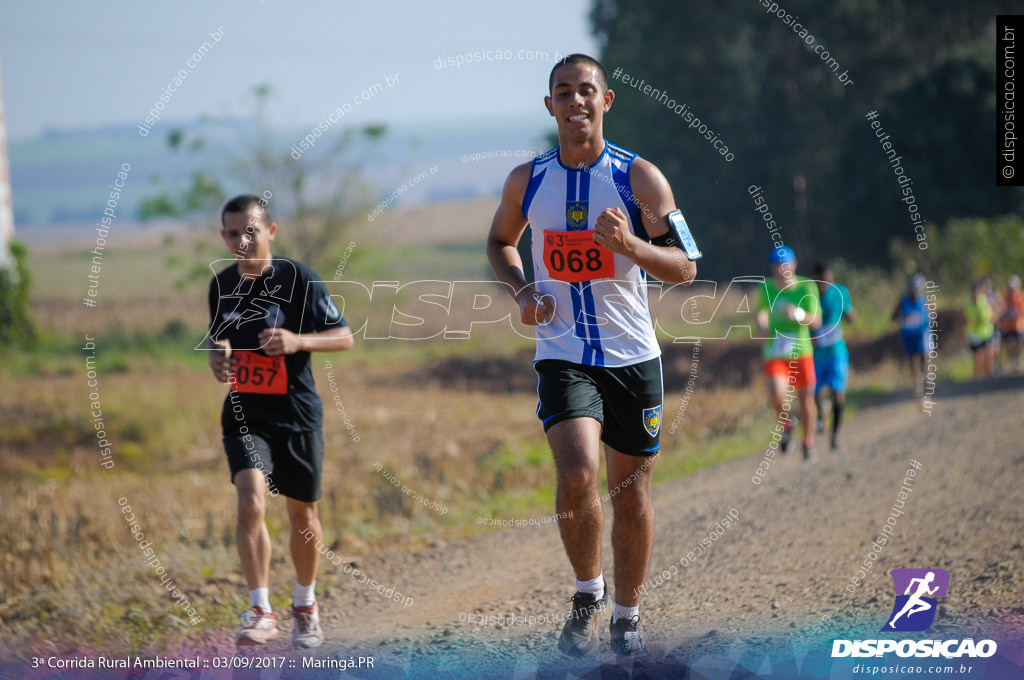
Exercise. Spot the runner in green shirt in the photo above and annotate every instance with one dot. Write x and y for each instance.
(787, 310)
(980, 330)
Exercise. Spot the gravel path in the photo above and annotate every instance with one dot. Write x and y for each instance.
(757, 597)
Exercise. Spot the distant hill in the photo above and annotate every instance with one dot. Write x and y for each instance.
(62, 177)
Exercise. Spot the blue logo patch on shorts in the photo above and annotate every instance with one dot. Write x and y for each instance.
(652, 420)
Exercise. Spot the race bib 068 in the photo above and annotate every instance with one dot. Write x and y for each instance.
(573, 256)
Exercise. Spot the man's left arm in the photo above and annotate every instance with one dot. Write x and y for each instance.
(810, 303)
(651, 189)
(278, 341)
(849, 313)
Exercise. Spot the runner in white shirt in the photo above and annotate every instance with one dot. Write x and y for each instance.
(598, 222)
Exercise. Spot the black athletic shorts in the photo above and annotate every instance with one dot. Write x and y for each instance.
(982, 344)
(625, 400)
(291, 462)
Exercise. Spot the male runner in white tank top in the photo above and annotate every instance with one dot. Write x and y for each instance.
(598, 222)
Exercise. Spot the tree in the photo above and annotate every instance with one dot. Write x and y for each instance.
(950, 161)
(796, 130)
(15, 322)
(966, 250)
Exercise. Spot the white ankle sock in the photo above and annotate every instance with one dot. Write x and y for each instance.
(260, 597)
(620, 612)
(304, 595)
(594, 586)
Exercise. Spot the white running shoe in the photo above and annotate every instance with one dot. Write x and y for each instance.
(306, 632)
(258, 626)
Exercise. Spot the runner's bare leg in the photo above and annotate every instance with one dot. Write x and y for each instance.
(576, 446)
(632, 522)
(808, 410)
(251, 535)
(304, 516)
(776, 392)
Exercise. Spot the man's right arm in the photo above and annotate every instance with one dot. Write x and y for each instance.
(506, 230)
(763, 311)
(218, 359)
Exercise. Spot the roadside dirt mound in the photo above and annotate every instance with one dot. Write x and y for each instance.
(723, 363)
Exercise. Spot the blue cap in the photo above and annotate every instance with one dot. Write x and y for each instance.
(782, 255)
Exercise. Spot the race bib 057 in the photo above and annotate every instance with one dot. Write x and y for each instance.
(258, 374)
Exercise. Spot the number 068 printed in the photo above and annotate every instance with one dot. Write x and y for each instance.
(574, 257)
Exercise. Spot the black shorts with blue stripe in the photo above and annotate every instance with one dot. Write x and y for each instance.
(626, 400)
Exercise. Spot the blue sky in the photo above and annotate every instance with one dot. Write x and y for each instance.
(70, 65)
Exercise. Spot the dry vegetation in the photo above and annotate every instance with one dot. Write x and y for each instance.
(68, 555)
(71, 572)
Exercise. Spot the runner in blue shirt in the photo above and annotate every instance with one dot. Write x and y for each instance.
(831, 356)
(913, 318)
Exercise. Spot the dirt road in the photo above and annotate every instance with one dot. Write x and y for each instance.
(755, 600)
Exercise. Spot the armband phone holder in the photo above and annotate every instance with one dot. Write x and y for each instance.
(683, 236)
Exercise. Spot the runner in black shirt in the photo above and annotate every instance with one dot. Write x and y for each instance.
(266, 315)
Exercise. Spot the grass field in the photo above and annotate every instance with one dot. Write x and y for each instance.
(68, 557)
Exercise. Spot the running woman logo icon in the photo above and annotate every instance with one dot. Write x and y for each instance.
(915, 609)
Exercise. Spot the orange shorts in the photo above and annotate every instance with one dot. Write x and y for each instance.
(802, 371)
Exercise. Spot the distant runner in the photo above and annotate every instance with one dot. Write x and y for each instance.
(995, 303)
(787, 310)
(599, 218)
(980, 330)
(266, 315)
(831, 356)
(913, 318)
(1011, 325)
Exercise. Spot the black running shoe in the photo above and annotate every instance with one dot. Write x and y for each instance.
(628, 636)
(786, 445)
(579, 634)
(809, 455)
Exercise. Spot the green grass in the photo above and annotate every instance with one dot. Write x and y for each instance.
(116, 351)
(958, 367)
(124, 271)
(450, 262)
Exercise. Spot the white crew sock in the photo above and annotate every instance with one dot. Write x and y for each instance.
(620, 612)
(260, 597)
(594, 586)
(304, 595)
